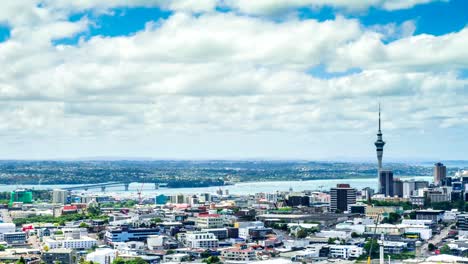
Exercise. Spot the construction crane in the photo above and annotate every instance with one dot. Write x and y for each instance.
(140, 201)
(372, 239)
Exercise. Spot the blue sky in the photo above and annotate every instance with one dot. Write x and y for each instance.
(233, 79)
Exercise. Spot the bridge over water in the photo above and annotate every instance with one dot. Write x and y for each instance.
(103, 186)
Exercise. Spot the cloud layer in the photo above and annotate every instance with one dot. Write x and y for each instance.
(219, 72)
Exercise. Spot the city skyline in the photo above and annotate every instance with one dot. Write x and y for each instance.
(216, 79)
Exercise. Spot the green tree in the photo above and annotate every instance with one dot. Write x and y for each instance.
(136, 261)
(118, 261)
(21, 261)
(205, 254)
(94, 210)
(354, 235)
(392, 218)
(375, 247)
(84, 225)
(301, 233)
(445, 250)
(156, 220)
(2, 248)
(212, 260)
(431, 247)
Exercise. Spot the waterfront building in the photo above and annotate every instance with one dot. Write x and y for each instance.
(60, 196)
(161, 199)
(341, 197)
(440, 173)
(297, 199)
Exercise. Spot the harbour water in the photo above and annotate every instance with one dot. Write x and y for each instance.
(239, 188)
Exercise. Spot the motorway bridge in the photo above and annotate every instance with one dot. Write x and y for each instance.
(103, 186)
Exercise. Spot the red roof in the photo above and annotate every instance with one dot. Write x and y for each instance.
(208, 215)
(70, 208)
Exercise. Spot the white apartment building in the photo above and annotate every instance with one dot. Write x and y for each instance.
(155, 242)
(201, 240)
(102, 256)
(210, 221)
(237, 255)
(345, 251)
(71, 243)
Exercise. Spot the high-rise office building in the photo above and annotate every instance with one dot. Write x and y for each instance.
(440, 172)
(408, 188)
(397, 187)
(420, 185)
(59, 196)
(386, 182)
(341, 197)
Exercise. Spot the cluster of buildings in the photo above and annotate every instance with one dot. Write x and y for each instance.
(289, 227)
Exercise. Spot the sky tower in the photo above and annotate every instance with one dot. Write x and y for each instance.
(379, 144)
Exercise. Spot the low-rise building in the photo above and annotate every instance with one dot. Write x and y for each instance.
(15, 238)
(126, 233)
(237, 255)
(434, 215)
(102, 256)
(345, 251)
(208, 221)
(71, 243)
(60, 255)
(201, 240)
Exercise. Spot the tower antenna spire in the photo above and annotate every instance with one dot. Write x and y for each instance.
(379, 116)
(379, 144)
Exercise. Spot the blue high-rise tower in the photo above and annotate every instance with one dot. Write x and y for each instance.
(379, 145)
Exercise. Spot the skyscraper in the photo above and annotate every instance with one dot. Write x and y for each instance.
(440, 172)
(398, 187)
(342, 196)
(386, 182)
(379, 144)
(59, 196)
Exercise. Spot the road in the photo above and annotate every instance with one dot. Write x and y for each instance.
(6, 216)
(435, 240)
